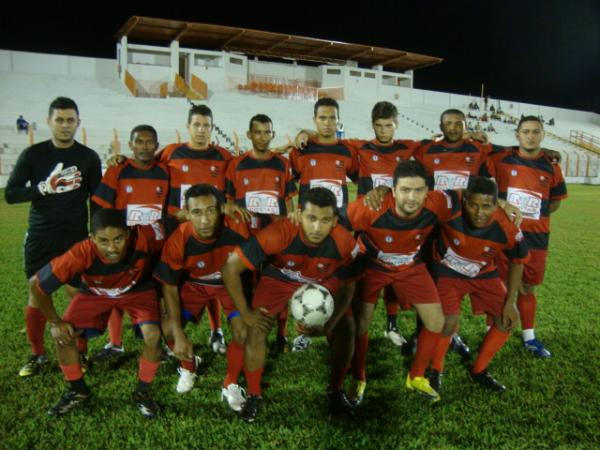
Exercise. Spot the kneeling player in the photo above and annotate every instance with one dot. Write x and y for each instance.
(115, 269)
(316, 250)
(189, 271)
(466, 262)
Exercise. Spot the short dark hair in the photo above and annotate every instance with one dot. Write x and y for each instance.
(108, 217)
(452, 111)
(483, 186)
(200, 110)
(409, 169)
(529, 119)
(62, 103)
(321, 197)
(139, 128)
(260, 118)
(204, 190)
(384, 110)
(326, 101)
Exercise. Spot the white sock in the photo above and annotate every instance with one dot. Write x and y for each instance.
(528, 334)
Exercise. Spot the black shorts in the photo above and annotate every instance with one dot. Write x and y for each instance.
(40, 249)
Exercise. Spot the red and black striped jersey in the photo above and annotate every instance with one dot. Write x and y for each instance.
(449, 165)
(291, 257)
(393, 243)
(462, 251)
(98, 276)
(188, 167)
(141, 193)
(187, 257)
(530, 184)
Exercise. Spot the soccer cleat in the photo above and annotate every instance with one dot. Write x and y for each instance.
(421, 385)
(35, 364)
(484, 379)
(70, 400)
(301, 343)
(250, 409)
(340, 404)
(217, 342)
(393, 335)
(536, 348)
(167, 354)
(235, 396)
(410, 348)
(108, 353)
(459, 346)
(146, 404)
(187, 378)
(356, 393)
(280, 345)
(435, 379)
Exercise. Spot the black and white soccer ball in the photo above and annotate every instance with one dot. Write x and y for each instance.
(312, 304)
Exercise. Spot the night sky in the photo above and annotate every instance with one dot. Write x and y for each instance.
(545, 52)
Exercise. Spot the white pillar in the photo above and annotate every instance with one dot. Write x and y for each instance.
(123, 57)
(174, 62)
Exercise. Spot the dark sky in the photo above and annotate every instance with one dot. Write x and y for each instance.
(545, 52)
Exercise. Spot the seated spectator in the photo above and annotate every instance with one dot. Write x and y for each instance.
(22, 125)
(551, 122)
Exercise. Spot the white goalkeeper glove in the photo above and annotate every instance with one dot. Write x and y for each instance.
(61, 180)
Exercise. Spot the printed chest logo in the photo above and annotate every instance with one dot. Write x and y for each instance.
(214, 170)
(323, 267)
(375, 158)
(246, 181)
(313, 162)
(339, 165)
(291, 263)
(436, 161)
(456, 242)
(514, 173)
(201, 264)
(185, 168)
(129, 189)
(159, 190)
(388, 239)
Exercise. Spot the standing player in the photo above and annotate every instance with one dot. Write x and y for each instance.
(139, 189)
(190, 273)
(526, 177)
(317, 250)
(115, 267)
(466, 256)
(63, 174)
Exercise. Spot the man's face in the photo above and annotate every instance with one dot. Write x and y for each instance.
(409, 193)
(530, 136)
(200, 129)
(384, 130)
(143, 145)
(261, 135)
(317, 222)
(453, 127)
(63, 124)
(479, 209)
(204, 214)
(326, 121)
(111, 243)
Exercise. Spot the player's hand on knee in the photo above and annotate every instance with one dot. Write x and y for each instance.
(62, 333)
(183, 349)
(510, 317)
(258, 318)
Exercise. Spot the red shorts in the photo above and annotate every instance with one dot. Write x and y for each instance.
(194, 297)
(487, 295)
(90, 312)
(411, 286)
(533, 272)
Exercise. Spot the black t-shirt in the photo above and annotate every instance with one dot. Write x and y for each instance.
(62, 212)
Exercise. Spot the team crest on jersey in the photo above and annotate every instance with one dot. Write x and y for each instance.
(159, 190)
(388, 239)
(276, 179)
(456, 242)
(513, 173)
(436, 161)
(246, 181)
(214, 170)
(489, 252)
(398, 159)
(323, 267)
(129, 189)
(313, 162)
(185, 168)
(469, 160)
(375, 158)
(291, 263)
(201, 264)
(544, 180)
(418, 237)
(339, 164)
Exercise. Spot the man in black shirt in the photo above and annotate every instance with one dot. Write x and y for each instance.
(58, 177)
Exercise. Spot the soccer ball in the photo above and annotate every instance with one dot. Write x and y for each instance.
(312, 304)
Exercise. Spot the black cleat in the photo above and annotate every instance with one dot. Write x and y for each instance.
(70, 400)
(146, 404)
(435, 379)
(484, 379)
(250, 409)
(459, 346)
(280, 346)
(340, 404)
(410, 348)
(109, 353)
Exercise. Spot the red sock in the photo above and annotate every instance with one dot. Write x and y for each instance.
(82, 345)
(147, 370)
(337, 378)
(214, 314)
(282, 326)
(115, 324)
(391, 304)
(235, 363)
(35, 322)
(171, 343)
(439, 354)
(189, 365)
(359, 362)
(494, 340)
(426, 343)
(71, 372)
(527, 305)
(253, 378)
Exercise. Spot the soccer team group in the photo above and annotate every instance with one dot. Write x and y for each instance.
(191, 227)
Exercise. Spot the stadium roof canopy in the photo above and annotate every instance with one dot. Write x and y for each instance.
(269, 45)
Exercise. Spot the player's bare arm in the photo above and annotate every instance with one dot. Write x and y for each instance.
(374, 198)
(183, 349)
(236, 212)
(62, 332)
(510, 313)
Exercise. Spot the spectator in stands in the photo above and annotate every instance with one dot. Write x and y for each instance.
(491, 128)
(484, 118)
(22, 125)
(492, 109)
(551, 122)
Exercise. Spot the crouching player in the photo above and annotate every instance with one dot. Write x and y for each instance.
(115, 266)
(466, 262)
(190, 273)
(316, 250)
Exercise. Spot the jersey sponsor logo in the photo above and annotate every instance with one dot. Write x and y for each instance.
(297, 276)
(382, 179)
(451, 179)
(210, 277)
(464, 266)
(396, 259)
(182, 190)
(143, 214)
(114, 292)
(529, 202)
(334, 186)
(262, 202)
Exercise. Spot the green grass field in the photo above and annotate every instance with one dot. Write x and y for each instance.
(549, 403)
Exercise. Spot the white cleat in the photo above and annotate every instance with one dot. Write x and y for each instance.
(187, 379)
(235, 396)
(301, 343)
(217, 342)
(395, 337)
